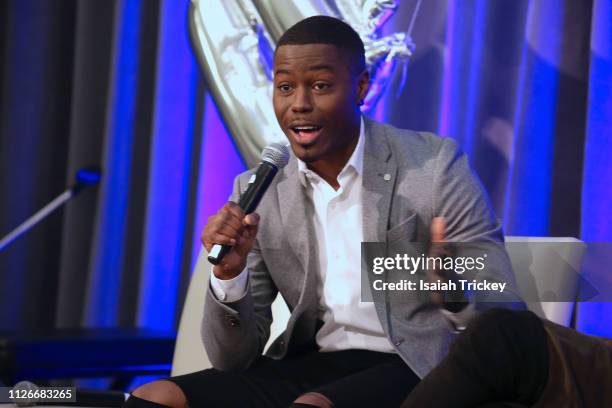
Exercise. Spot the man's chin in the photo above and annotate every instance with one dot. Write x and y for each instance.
(305, 157)
(307, 154)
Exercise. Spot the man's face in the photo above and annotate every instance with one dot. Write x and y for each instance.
(316, 100)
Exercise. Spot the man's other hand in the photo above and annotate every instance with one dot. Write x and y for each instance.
(452, 300)
(437, 232)
(230, 226)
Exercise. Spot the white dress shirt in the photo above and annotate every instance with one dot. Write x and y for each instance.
(348, 323)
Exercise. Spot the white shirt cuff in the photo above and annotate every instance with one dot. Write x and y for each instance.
(229, 290)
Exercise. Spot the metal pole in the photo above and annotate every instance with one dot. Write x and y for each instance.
(36, 218)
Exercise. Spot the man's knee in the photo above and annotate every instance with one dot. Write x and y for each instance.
(501, 324)
(516, 335)
(314, 399)
(162, 392)
(492, 320)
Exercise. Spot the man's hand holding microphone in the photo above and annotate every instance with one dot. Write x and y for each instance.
(230, 234)
(231, 226)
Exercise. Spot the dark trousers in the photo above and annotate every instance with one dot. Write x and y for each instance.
(501, 360)
(350, 378)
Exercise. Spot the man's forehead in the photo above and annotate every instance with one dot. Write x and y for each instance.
(307, 57)
(320, 52)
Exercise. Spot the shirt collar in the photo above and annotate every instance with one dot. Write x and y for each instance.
(355, 161)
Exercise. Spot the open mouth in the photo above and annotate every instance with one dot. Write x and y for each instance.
(306, 134)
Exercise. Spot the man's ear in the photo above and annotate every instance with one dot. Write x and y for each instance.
(363, 84)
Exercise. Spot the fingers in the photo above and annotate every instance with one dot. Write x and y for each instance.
(438, 229)
(249, 232)
(230, 226)
(251, 220)
(228, 220)
(224, 227)
(220, 239)
(245, 242)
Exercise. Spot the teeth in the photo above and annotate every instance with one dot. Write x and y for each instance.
(305, 128)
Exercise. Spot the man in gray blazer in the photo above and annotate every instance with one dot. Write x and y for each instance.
(349, 180)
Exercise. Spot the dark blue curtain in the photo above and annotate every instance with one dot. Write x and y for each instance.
(524, 86)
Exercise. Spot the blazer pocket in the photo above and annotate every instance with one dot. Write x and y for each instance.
(405, 230)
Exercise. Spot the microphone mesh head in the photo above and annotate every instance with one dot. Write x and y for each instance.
(276, 154)
(26, 387)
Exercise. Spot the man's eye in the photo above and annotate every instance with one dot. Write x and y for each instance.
(321, 86)
(284, 88)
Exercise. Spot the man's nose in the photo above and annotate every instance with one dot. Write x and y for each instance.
(302, 101)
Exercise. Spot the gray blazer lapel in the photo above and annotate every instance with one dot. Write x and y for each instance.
(379, 174)
(296, 215)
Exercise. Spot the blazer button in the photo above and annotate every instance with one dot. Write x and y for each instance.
(233, 321)
(398, 342)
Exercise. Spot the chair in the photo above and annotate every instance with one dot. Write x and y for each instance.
(552, 265)
(528, 254)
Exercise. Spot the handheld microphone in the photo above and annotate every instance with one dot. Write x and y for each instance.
(274, 157)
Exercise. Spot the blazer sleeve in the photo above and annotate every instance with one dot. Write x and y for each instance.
(460, 198)
(235, 333)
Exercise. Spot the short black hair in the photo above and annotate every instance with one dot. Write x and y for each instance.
(327, 30)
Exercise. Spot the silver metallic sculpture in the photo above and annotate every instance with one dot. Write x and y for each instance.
(235, 40)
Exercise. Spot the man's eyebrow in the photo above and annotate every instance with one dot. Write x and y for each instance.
(282, 71)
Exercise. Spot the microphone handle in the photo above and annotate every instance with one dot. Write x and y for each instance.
(248, 202)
